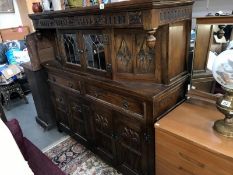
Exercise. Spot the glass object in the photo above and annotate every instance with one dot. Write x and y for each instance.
(71, 48)
(223, 69)
(223, 73)
(94, 48)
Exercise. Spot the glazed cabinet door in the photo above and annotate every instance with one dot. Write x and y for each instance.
(97, 52)
(70, 47)
(88, 51)
(103, 132)
(60, 103)
(130, 145)
(80, 113)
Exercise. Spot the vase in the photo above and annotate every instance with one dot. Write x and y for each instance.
(36, 7)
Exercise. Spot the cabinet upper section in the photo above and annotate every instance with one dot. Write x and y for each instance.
(133, 40)
(149, 14)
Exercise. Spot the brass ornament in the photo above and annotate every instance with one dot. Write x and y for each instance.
(225, 105)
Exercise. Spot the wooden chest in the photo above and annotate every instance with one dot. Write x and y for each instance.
(187, 144)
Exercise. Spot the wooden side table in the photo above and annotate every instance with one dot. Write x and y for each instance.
(186, 144)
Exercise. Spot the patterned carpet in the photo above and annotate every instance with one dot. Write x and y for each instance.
(74, 159)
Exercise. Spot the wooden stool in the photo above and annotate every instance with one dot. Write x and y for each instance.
(7, 90)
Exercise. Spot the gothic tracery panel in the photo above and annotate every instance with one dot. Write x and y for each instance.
(144, 56)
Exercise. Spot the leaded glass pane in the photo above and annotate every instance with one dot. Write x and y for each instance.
(94, 48)
(71, 48)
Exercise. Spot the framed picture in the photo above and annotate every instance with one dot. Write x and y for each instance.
(7, 6)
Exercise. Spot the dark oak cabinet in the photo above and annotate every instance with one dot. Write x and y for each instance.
(114, 72)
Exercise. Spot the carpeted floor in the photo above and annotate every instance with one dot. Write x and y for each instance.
(74, 159)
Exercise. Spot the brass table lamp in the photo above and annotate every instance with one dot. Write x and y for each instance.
(223, 73)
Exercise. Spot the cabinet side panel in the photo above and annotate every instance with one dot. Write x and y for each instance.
(177, 49)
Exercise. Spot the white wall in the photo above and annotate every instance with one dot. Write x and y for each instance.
(202, 7)
(8, 20)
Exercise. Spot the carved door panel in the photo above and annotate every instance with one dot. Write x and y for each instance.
(132, 56)
(130, 145)
(124, 51)
(97, 52)
(103, 132)
(70, 46)
(60, 102)
(80, 118)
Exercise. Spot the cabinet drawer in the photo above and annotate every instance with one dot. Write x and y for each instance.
(165, 168)
(190, 158)
(126, 103)
(67, 83)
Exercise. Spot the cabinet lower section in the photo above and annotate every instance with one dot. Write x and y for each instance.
(117, 138)
(113, 123)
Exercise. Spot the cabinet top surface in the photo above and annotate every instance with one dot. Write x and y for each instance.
(118, 6)
(194, 122)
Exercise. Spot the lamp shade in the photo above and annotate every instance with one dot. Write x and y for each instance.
(223, 69)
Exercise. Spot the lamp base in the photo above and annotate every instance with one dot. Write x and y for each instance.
(223, 128)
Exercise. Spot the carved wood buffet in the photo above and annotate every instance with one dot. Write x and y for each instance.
(114, 72)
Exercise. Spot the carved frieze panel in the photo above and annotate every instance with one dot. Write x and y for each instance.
(145, 56)
(116, 19)
(175, 14)
(135, 17)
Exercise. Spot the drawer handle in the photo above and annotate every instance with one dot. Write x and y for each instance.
(186, 171)
(70, 85)
(125, 104)
(189, 159)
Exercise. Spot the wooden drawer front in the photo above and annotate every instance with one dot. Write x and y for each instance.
(165, 168)
(125, 103)
(168, 100)
(67, 83)
(188, 158)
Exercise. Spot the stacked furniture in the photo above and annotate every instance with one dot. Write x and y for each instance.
(114, 72)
